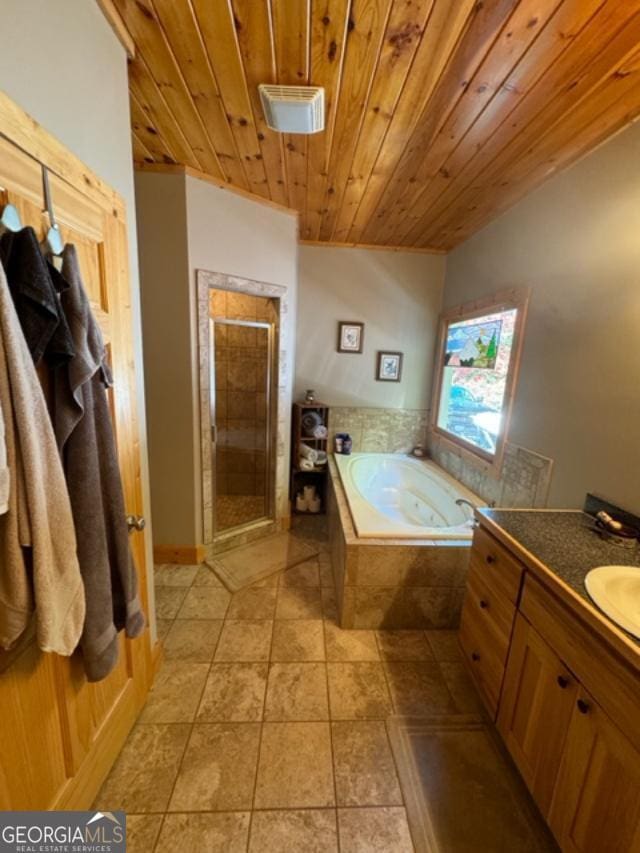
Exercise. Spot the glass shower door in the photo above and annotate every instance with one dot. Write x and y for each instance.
(242, 353)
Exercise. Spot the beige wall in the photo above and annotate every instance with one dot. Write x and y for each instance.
(185, 225)
(61, 62)
(396, 294)
(576, 243)
(166, 319)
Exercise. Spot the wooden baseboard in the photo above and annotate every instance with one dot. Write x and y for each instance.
(184, 555)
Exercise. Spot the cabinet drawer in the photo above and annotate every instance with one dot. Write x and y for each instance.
(486, 668)
(490, 611)
(500, 569)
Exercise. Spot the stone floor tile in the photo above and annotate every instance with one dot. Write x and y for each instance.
(404, 645)
(295, 768)
(299, 603)
(364, 767)
(221, 832)
(462, 688)
(207, 577)
(176, 693)
(218, 769)
(297, 691)
(418, 689)
(329, 603)
(358, 691)
(142, 832)
(245, 640)
(192, 640)
(299, 831)
(234, 692)
(350, 645)
(163, 627)
(444, 644)
(305, 574)
(205, 602)
(143, 775)
(326, 573)
(253, 603)
(171, 574)
(169, 599)
(380, 830)
(298, 640)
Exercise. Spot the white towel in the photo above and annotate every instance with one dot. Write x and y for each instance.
(308, 452)
(320, 431)
(305, 464)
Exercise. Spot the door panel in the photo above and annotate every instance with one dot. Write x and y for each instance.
(535, 711)
(58, 737)
(596, 804)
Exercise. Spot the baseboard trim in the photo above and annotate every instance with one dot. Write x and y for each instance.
(184, 555)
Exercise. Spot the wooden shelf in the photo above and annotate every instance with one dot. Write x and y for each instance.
(317, 475)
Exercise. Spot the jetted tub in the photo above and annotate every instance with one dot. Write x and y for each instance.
(400, 497)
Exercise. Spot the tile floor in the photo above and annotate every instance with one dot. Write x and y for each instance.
(265, 730)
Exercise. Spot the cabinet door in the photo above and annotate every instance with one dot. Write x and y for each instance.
(596, 803)
(535, 712)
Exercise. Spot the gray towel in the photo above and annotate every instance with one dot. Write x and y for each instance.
(82, 424)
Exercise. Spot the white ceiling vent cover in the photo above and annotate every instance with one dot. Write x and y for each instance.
(293, 109)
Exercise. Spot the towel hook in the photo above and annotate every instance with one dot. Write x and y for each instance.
(10, 219)
(53, 238)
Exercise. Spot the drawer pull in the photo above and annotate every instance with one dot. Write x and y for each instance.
(583, 706)
(484, 604)
(490, 558)
(563, 682)
(475, 656)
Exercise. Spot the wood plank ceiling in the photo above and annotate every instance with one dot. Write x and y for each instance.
(440, 113)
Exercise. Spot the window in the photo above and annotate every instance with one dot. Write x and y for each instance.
(476, 368)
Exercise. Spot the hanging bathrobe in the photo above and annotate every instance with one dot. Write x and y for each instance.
(38, 561)
(5, 483)
(82, 424)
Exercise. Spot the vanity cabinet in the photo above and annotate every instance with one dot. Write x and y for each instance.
(565, 700)
(488, 614)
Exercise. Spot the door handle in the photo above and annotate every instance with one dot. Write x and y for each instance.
(136, 522)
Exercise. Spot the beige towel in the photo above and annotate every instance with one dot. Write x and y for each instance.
(38, 560)
(5, 485)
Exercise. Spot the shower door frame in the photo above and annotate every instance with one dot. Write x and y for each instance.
(268, 514)
(206, 281)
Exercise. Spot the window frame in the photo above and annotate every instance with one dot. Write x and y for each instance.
(503, 300)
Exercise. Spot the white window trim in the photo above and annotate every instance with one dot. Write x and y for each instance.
(503, 300)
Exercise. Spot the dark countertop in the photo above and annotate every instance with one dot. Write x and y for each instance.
(565, 542)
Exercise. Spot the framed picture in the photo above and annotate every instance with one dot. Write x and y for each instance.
(389, 366)
(350, 336)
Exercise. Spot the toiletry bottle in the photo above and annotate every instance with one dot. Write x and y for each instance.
(339, 441)
(347, 444)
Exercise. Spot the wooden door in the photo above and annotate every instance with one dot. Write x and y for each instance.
(59, 734)
(535, 711)
(596, 803)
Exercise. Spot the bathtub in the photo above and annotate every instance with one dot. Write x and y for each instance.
(399, 497)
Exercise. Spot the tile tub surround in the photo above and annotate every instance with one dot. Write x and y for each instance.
(392, 583)
(281, 511)
(376, 430)
(524, 480)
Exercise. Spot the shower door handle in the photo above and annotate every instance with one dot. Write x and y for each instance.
(213, 433)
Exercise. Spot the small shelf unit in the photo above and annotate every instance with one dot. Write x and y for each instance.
(303, 477)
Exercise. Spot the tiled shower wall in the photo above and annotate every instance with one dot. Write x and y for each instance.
(241, 409)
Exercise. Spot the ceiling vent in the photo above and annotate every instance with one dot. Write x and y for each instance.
(293, 109)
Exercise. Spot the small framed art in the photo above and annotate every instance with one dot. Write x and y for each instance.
(350, 336)
(389, 367)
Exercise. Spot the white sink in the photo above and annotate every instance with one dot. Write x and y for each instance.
(616, 591)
